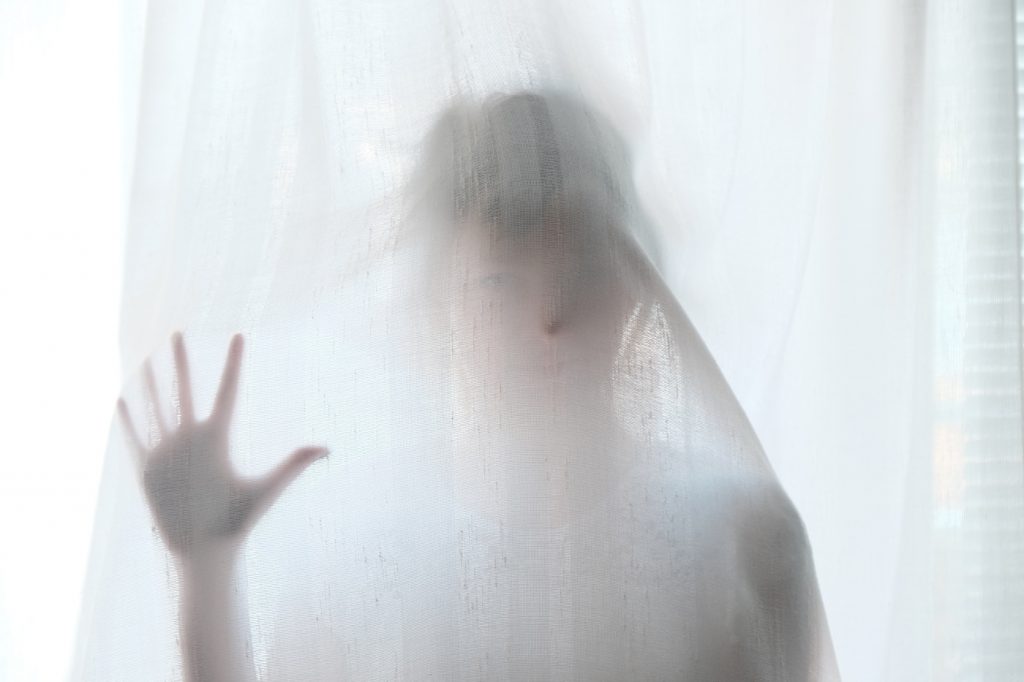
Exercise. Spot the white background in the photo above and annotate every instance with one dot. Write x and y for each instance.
(62, 168)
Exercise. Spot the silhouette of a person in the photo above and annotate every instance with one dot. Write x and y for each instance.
(690, 561)
(590, 408)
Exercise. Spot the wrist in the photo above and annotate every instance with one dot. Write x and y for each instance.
(212, 623)
(203, 563)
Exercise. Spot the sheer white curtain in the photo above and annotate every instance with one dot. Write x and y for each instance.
(827, 189)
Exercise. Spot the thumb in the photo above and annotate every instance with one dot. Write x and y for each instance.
(269, 487)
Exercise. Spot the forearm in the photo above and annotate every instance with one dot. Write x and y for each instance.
(214, 634)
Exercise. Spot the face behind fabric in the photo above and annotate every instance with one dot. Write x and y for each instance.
(532, 333)
(527, 236)
(524, 194)
(531, 308)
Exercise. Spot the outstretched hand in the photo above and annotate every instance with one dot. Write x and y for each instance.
(194, 494)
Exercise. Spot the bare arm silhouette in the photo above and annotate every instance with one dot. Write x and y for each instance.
(203, 510)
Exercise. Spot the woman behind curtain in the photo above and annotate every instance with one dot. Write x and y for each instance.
(785, 158)
(609, 513)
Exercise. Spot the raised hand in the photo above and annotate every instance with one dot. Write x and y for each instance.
(195, 496)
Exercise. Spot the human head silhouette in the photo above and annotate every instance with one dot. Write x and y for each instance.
(536, 189)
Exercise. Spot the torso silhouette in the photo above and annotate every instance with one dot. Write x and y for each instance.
(619, 520)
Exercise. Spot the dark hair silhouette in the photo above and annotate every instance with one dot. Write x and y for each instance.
(542, 168)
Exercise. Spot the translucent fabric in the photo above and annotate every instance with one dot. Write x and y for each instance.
(482, 258)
